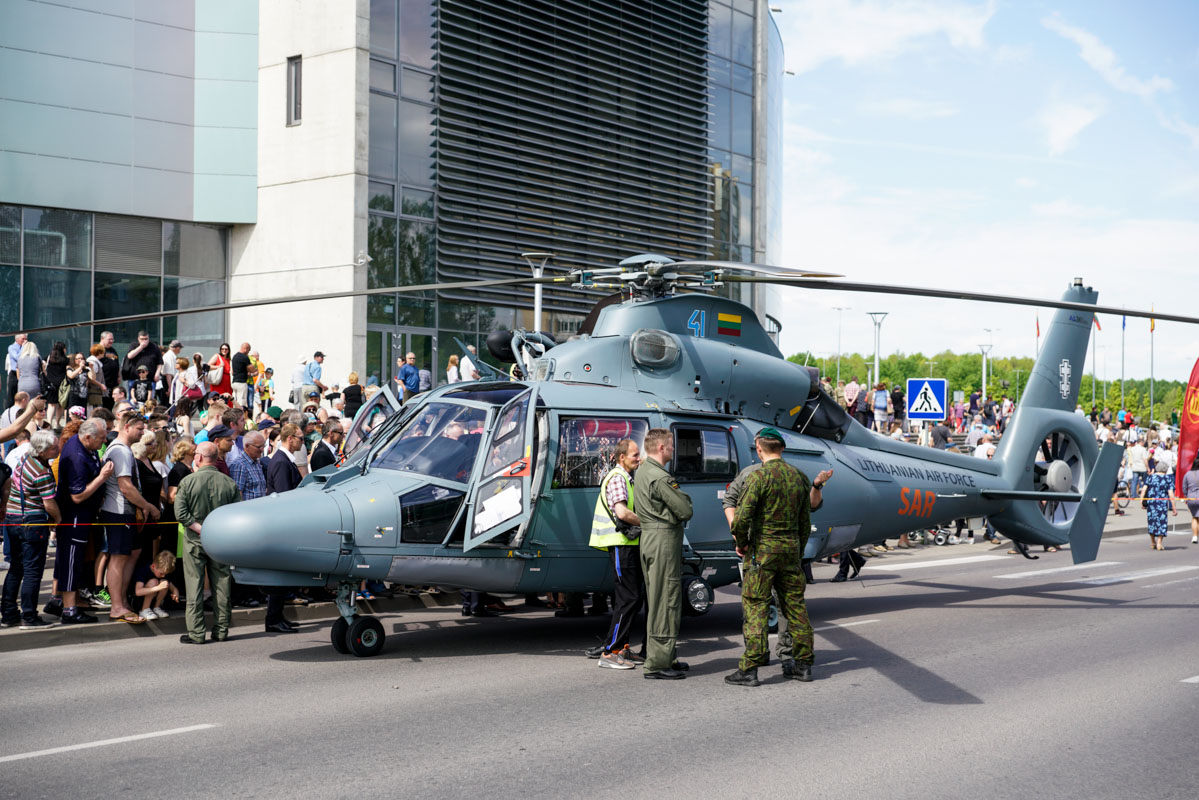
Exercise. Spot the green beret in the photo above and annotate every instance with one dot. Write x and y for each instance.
(770, 433)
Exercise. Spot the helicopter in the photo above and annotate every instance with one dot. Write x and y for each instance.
(490, 485)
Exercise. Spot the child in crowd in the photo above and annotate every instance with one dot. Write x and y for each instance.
(151, 584)
(143, 387)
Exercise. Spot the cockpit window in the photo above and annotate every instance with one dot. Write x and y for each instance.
(441, 441)
(508, 444)
(494, 394)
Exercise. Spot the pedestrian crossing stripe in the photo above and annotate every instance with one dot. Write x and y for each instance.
(926, 401)
(728, 324)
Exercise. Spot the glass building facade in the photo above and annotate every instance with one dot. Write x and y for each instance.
(591, 130)
(58, 267)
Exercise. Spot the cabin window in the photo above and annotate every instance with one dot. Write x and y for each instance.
(587, 448)
(703, 454)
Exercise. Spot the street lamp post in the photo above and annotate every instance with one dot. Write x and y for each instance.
(839, 309)
(877, 317)
(538, 272)
(1019, 372)
(931, 364)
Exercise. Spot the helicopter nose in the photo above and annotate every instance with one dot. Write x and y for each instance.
(292, 532)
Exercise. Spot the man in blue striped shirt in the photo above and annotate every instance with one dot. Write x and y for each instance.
(246, 468)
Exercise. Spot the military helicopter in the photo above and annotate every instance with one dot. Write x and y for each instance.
(490, 485)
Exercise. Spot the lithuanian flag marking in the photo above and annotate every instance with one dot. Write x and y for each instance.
(728, 324)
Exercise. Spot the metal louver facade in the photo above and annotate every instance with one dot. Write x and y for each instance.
(577, 127)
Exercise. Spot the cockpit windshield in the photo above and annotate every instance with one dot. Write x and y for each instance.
(441, 441)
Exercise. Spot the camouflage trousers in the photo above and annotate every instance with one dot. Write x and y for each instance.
(781, 574)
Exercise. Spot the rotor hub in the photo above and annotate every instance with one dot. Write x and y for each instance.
(1059, 477)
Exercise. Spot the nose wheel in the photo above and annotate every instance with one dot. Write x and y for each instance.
(353, 633)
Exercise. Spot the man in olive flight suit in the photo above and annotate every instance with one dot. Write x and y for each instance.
(771, 528)
(662, 508)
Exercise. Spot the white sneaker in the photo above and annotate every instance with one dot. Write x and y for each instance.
(953, 539)
(160, 613)
(148, 614)
(1195, 540)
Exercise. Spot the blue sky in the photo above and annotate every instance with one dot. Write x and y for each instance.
(1004, 146)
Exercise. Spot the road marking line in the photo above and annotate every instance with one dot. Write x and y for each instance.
(941, 562)
(1172, 583)
(1037, 572)
(1132, 576)
(105, 742)
(1191, 680)
(844, 625)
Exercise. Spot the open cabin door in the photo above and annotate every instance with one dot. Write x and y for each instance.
(372, 414)
(503, 498)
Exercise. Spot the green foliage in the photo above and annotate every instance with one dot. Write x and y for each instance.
(964, 372)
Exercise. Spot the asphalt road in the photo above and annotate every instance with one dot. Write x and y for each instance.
(948, 672)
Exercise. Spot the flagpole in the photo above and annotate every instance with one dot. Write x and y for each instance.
(1151, 326)
(1123, 326)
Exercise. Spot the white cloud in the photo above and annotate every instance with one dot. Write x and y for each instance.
(1026, 183)
(862, 31)
(1063, 120)
(1067, 210)
(910, 108)
(1103, 60)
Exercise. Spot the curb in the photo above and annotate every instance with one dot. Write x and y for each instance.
(175, 625)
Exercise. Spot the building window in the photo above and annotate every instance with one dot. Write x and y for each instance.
(294, 86)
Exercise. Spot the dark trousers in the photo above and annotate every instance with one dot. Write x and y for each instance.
(27, 549)
(850, 558)
(10, 394)
(274, 606)
(629, 596)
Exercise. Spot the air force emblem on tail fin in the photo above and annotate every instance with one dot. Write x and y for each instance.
(1064, 371)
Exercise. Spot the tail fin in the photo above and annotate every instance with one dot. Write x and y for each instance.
(1049, 449)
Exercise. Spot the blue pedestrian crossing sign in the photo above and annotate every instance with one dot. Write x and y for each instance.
(926, 398)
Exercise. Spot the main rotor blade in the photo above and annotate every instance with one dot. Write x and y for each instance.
(760, 269)
(268, 301)
(953, 294)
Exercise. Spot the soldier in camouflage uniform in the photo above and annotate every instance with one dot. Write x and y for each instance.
(771, 528)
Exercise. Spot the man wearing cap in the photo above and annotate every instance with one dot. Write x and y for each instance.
(222, 436)
(312, 376)
(771, 528)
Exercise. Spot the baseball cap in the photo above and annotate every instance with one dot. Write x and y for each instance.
(175, 343)
(314, 394)
(266, 423)
(270, 370)
(765, 433)
(318, 354)
(143, 368)
(220, 432)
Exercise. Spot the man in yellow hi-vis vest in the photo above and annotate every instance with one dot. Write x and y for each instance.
(614, 527)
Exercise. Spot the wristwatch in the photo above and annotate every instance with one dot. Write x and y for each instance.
(818, 486)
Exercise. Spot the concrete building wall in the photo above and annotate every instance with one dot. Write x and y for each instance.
(130, 107)
(311, 223)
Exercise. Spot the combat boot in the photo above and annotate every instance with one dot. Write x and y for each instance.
(799, 671)
(747, 677)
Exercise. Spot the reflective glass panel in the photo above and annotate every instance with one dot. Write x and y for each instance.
(383, 27)
(417, 20)
(743, 170)
(382, 196)
(10, 292)
(57, 238)
(719, 28)
(703, 455)
(418, 252)
(743, 123)
(383, 76)
(374, 357)
(458, 316)
(383, 136)
(10, 235)
(194, 251)
(416, 143)
(587, 448)
(743, 38)
(718, 70)
(417, 203)
(381, 271)
(414, 312)
(743, 79)
(417, 85)
(441, 441)
(56, 296)
(200, 333)
(721, 111)
(76, 340)
(118, 295)
(191, 293)
(124, 335)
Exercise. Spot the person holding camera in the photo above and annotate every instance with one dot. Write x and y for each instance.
(615, 527)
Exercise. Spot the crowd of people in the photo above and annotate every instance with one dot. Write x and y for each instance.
(116, 459)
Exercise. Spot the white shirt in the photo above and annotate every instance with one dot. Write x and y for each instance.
(451, 375)
(468, 369)
(14, 458)
(168, 363)
(10, 415)
(983, 449)
(1167, 457)
(1104, 434)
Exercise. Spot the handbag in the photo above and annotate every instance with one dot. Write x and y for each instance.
(64, 392)
(194, 392)
(216, 374)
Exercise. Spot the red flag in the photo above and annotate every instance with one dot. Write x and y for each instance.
(1188, 432)
(1098, 327)
(1038, 326)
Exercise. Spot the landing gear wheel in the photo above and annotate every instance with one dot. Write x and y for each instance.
(697, 596)
(772, 619)
(338, 635)
(365, 637)
(940, 538)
